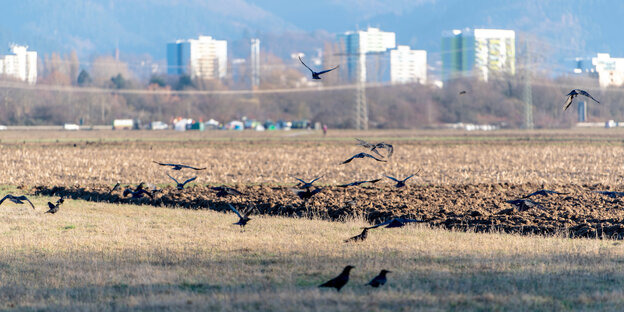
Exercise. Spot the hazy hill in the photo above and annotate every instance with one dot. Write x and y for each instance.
(573, 27)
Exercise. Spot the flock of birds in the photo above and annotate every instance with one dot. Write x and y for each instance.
(306, 190)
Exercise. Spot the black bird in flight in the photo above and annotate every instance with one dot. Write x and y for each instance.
(307, 194)
(17, 200)
(544, 192)
(359, 182)
(304, 184)
(610, 193)
(394, 223)
(137, 193)
(242, 220)
(524, 204)
(316, 75)
(574, 93)
(374, 146)
(180, 186)
(462, 92)
(380, 279)
(178, 166)
(362, 155)
(339, 281)
(223, 191)
(54, 208)
(360, 237)
(400, 183)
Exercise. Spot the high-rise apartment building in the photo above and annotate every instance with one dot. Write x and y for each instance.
(358, 44)
(407, 65)
(610, 70)
(21, 65)
(478, 52)
(204, 58)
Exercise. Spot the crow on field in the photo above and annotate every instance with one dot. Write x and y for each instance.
(306, 185)
(339, 281)
(394, 223)
(610, 193)
(223, 191)
(54, 208)
(178, 166)
(362, 155)
(316, 75)
(379, 280)
(115, 188)
(17, 200)
(307, 194)
(360, 237)
(359, 182)
(180, 186)
(374, 146)
(574, 93)
(400, 183)
(242, 220)
(544, 192)
(524, 204)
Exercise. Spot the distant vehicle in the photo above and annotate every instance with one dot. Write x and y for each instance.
(159, 125)
(212, 125)
(235, 125)
(71, 127)
(126, 124)
(284, 125)
(301, 124)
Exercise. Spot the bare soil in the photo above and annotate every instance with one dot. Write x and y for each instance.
(481, 207)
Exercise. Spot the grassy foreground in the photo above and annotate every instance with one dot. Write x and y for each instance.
(93, 256)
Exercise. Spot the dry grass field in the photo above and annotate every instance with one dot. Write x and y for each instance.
(108, 254)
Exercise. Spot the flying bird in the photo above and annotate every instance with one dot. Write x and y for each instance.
(462, 92)
(400, 183)
(339, 281)
(304, 184)
(316, 75)
(360, 237)
(374, 146)
(17, 199)
(54, 208)
(544, 192)
(138, 193)
(223, 191)
(242, 220)
(178, 166)
(524, 204)
(394, 223)
(180, 186)
(379, 280)
(574, 93)
(359, 182)
(307, 194)
(362, 155)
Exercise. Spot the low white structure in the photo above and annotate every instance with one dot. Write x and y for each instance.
(21, 65)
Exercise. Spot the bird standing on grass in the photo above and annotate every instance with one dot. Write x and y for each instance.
(339, 281)
(17, 199)
(379, 280)
(316, 75)
(360, 237)
(574, 93)
(54, 208)
(179, 185)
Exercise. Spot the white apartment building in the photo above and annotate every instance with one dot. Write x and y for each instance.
(204, 58)
(407, 65)
(21, 65)
(359, 44)
(610, 70)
